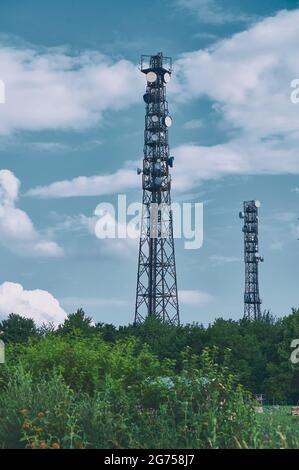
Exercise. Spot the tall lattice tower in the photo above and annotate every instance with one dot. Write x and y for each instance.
(156, 280)
(252, 301)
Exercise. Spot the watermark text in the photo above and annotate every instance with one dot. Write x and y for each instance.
(295, 352)
(182, 221)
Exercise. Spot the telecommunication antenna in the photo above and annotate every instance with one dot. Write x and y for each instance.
(156, 293)
(252, 301)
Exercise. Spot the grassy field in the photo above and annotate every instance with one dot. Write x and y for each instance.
(278, 428)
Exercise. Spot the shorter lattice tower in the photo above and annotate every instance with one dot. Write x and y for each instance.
(252, 301)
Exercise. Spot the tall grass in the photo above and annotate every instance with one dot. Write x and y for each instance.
(131, 400)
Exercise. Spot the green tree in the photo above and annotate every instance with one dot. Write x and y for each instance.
(17, 329)
(78, 324)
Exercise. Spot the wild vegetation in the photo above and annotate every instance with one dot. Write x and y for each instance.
(149, 386)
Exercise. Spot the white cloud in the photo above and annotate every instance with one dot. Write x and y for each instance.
(56, 88)
(113, 246)
(117, 182)
(195, 164)
(17, 231)
(117, 246)
(46, 248)
(212, 11)
(247, 79)
(248, 76)
(194, 297)
(73, 223)
(37, 304)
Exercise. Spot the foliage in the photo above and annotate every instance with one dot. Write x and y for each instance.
(17, 329)
(147, 386)
(136, 404)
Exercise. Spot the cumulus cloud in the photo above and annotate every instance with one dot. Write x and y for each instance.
(17, 231)
(37, 304)
(56, 88)
(247, 78)
(194, 297)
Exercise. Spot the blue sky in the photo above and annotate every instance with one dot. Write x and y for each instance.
(74, 109)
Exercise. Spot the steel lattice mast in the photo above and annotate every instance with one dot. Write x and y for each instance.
(252, 301)
(156, 280)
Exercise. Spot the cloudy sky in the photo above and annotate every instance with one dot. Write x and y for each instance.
(71, 136)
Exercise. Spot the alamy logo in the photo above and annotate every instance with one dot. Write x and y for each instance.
(187, 220)
(2, 352)
(295, 353)
(2, 92)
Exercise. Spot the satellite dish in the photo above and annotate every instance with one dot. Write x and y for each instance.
(168, 121)
(155, 118)
(167, 77)
(257, 204)
(146, 98)
(241, 215)
(155, 137)
(151, 77)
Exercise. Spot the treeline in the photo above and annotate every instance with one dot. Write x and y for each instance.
(256, 352)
